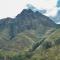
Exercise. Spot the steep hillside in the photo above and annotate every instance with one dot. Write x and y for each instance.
(50, 48)
(24, 29)
(29, 36)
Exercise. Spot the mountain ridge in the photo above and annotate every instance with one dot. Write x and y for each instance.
(26, 22)
(29, 36)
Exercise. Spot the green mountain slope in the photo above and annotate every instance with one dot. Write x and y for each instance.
(25, 29)
(29, 36)
(50, 48)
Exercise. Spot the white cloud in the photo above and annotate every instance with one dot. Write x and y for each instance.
(49, 5)
(51, 12)
(46, 4)
(10, 8)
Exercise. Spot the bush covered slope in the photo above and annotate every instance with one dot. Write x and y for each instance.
(50, 48)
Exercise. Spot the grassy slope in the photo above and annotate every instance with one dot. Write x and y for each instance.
(21, 41)
(24, 41)
(52, 53)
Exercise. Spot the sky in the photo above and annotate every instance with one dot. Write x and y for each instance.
(10, 8)
(58, 3)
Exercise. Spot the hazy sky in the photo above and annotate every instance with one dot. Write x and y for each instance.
(10, 8)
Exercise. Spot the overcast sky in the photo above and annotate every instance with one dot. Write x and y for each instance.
(10, 8)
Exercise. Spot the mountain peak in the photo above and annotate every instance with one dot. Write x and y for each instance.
(28, 14)
(29, 6)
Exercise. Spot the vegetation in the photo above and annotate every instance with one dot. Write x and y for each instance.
(29, 36)
(48, 50)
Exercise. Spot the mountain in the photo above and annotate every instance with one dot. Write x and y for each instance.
(32, 23)
(27, 36)
(27, 20)
(29, 14)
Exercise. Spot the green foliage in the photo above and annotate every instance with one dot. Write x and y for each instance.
(27, 44)
(21, 40)
(49, 54)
